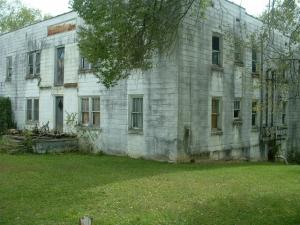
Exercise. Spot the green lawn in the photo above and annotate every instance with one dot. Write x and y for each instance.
(58, 189)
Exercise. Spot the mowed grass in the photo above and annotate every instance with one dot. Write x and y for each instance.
(59, 189)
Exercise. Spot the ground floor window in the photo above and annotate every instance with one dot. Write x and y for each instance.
(215, 114)
(136, 112)
(254, 113)
(90, 111)
(32, 110)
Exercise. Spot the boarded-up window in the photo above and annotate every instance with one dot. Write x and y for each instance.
(32, 110)
(238, 50)
(137, 113)
(90, 111)
(215, 113)
(60, 60)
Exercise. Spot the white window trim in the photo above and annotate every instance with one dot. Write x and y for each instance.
(34, 63)
(219, 128)
(130, 101)
(90, 124)
(240, 109)
(32, 110)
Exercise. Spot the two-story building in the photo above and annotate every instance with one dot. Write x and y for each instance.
(201, 101)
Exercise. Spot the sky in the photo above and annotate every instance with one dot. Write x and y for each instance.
(56, 7)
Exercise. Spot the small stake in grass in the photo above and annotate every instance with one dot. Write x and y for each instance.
(85, 220)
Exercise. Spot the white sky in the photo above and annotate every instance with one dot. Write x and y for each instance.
(55, 7)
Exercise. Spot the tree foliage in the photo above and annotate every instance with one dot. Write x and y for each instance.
(14, 15)
(121, 36)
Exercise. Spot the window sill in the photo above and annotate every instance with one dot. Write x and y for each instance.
(85, 71)
(215, 67)
(30, 77)
(31, 123)
(237, 122)
(254, 129)
(136, 131)
(216, 132)
(239, 63)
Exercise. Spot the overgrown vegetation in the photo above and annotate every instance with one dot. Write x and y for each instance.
(121, 36)
(6, 120)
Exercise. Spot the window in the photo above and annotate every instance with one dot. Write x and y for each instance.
(215, 114)
(216, 50)
(90, 111)
(34, 61)
(9, 67)
(32, 110)
(283, 118)
(137, 113)
(238, 51)
(236, 109)
(85, 65)
(59, 74)
(254, 114)
(254, 60)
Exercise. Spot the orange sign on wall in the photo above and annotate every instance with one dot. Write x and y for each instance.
(61, 28)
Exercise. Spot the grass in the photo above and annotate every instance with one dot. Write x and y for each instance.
(59, 189)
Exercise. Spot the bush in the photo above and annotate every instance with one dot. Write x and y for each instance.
(6, 120)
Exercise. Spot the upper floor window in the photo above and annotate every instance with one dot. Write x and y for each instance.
(136, 114)
(90, 111)
(32, 110)
(238, 51)
(85, 65)
(9, 67)
(34, 62)
(237, 109)
(254, 60)
(60, 60)
(216, 50)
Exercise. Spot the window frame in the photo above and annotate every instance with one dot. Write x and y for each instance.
(254, 113)
(131, 113)
(57, 81)
(218, 114)
(84, 61)
(90, 112)
(9, 67)
(34, 117)
(239, 109)
(218, 52)
(36, 64)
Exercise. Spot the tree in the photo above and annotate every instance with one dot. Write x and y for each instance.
(14, 15)
(121, 36)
